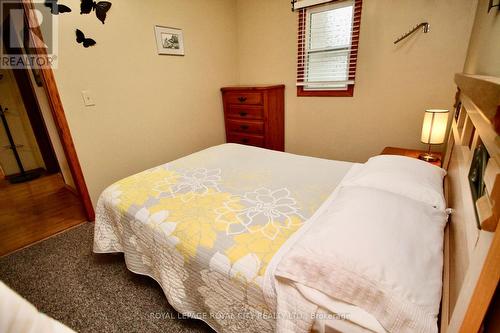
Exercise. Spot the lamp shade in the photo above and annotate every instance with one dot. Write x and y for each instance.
(434, 127)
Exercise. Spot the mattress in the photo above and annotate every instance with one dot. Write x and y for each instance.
(206, 226)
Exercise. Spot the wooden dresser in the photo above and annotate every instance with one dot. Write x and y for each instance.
(255, 116)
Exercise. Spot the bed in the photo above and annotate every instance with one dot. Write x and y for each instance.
(227, 232)
(211, 228)
(211, 222)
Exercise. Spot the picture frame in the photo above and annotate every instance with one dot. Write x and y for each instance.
(169, 41)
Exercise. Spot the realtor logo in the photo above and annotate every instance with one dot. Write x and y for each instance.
(22, 44)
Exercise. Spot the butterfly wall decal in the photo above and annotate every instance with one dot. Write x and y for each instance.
(55, 8)
(100, 8)
(81, 39)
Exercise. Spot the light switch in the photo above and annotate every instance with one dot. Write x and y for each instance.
(88, 99)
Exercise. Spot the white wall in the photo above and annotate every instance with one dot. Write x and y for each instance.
(395, 84)
(484, 49)
(150, 109)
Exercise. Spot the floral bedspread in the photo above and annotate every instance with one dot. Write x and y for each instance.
(207, 225)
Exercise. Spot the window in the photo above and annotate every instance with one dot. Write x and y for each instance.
(327, 48)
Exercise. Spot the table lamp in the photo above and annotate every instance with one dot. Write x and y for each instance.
(433, 131)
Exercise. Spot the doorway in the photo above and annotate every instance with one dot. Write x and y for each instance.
(37, 198)
(27, 149)
(52, 194)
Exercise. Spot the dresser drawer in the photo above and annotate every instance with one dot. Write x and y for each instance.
(255, 115)
(245, 126)
(245, 112)
(246, 139)
(244, 98)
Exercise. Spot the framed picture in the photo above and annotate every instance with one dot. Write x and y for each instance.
(169, 40)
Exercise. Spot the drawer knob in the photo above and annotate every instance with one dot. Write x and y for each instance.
(244, 140)
(242, 99)
(244, 127)
(243, 114)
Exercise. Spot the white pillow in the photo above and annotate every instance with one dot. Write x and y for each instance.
(405, 176)
(392, 239)
(395, 244)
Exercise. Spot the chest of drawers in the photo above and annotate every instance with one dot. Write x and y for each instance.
(255, 116)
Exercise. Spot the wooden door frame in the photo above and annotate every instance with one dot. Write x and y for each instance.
(54, 98)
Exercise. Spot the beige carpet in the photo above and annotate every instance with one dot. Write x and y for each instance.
(89, 292)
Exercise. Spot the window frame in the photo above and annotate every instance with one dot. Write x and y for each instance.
(304, 21)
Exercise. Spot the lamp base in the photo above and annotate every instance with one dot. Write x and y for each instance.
(428, 157)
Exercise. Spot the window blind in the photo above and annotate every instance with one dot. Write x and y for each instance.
(328, 37)
(298, 4)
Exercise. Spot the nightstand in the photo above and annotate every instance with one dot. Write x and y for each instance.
(410, 153)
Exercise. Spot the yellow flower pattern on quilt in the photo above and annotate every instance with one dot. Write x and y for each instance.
(263, 247)
(200, 214)
(136, 190)
(195, 220)
(206, 227)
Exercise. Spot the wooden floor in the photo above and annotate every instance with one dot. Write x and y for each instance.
(32, 211)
